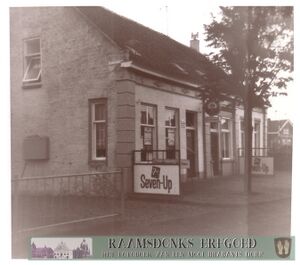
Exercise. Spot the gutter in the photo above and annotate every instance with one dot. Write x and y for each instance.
(129, 64)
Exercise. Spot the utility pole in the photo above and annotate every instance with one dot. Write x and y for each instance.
(248, 110)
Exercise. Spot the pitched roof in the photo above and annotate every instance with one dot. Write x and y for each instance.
(157, 52)
(276, 125)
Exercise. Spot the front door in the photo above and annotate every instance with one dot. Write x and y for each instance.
(191, 152)
(215, 152)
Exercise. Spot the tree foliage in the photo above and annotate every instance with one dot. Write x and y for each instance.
(254, 44)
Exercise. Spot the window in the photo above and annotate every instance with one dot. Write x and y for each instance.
(98, 110)
(171, 132)
(242, 140)
(32, 61)
(226, 138)
(148, 131)
(256, 138)
(286, 131)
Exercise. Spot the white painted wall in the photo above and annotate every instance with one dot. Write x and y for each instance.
(257, 114)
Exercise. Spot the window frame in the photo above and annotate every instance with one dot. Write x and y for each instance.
(153, 126)
(92, 130)
(147, 154)
(242, 137)
(28, 59)
(229, 132)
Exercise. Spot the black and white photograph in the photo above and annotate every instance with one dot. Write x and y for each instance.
(166, 118)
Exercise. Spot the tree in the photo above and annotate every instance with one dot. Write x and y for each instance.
(254, 46)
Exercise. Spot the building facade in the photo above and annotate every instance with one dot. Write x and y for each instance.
(280, 143)
(280, 134)
(90, 89)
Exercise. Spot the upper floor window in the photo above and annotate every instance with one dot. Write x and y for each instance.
(32, 60)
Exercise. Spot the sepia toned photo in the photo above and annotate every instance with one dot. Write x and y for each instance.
(120, 127)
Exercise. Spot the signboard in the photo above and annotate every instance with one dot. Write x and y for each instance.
(212, 107)
(156, 179)
(262, 166)
(185, 163)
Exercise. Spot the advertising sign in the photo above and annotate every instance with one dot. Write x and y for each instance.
(185, 163)
(156, 179)
(262, 166)
(212, 107)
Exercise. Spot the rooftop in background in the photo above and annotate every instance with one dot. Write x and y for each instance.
(277, 125)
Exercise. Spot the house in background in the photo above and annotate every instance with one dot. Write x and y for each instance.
(280, 134)
(90, 87)
(280, 142)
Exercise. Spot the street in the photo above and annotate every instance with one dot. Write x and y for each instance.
(265, 212)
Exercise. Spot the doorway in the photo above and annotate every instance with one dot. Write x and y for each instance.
(191, 143)
(191, 152)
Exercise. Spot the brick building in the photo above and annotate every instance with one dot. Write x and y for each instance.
(88, 87)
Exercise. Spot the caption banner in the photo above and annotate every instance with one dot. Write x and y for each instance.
(160, 247)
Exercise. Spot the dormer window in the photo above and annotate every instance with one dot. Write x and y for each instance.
(32, 61)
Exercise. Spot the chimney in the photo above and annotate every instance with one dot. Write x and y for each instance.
(194, 42)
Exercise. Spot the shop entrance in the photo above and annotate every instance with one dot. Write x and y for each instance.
(214, 138)
(191, 140)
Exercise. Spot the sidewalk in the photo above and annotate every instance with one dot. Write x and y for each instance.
(203, 196)
(229, 191)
